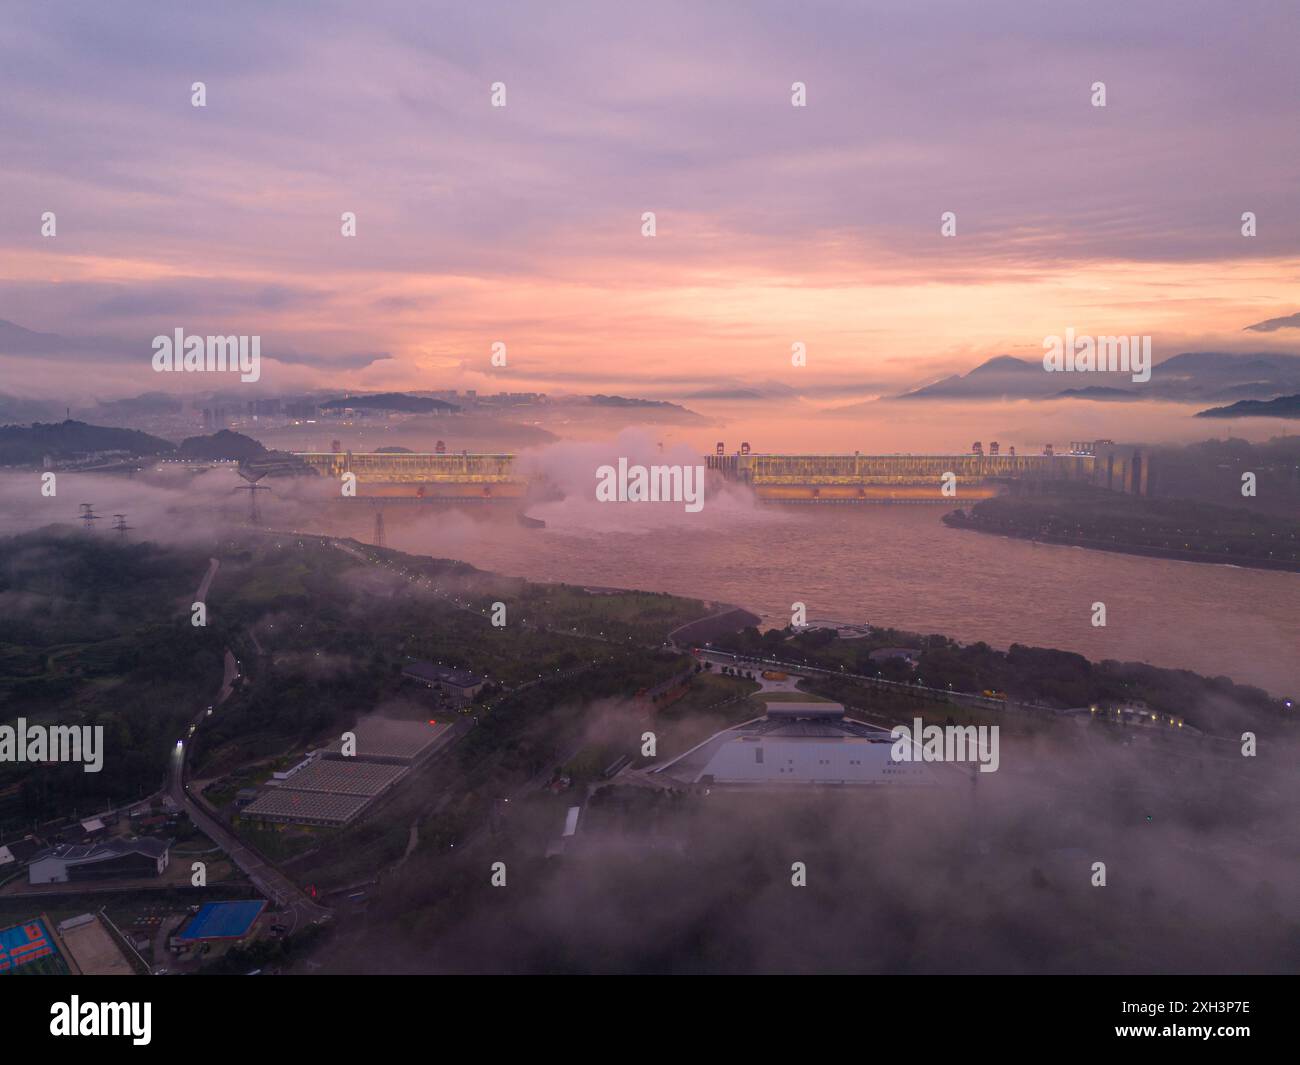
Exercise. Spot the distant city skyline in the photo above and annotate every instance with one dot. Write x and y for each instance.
(775, 224)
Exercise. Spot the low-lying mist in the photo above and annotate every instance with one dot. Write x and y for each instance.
(992, 873)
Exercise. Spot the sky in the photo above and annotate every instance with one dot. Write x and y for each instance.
(522, 224)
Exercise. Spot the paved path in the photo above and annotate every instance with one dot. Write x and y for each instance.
(300, 910)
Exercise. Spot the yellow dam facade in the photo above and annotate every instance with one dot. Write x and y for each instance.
(422, 475)
(855, 478)
(862, 478)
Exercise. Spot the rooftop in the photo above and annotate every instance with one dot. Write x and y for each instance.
(796, 743)
(100, 852)
(435, 674)
(379, 737)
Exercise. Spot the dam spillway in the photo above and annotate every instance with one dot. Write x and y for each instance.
(859, 478)
(423, 476)
(779, 478)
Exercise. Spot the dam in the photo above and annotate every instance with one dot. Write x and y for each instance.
(435, 477)
(859, 478)
(428, 477)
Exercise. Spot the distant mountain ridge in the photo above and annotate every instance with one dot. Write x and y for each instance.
(27, 445)
(1281, 407)
(394, 401)
(1188, 377)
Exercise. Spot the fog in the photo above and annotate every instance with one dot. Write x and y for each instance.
(990, 873)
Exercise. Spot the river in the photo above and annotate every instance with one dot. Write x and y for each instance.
(900, 566)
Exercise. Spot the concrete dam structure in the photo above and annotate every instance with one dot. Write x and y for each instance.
(422, 477)
(434, 477)
(859, 478)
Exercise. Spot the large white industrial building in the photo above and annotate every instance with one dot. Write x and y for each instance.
(797, 743)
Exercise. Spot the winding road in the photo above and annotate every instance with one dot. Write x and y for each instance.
(299, 909)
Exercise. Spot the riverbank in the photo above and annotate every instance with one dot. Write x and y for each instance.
(1205, 557)
(1179, 530)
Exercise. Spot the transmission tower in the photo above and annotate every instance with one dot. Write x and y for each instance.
(252, 488)
(119, 523)
(379, 529)
(88, 515)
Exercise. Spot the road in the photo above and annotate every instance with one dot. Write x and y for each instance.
(299, 909)
(201, 596)
(800, 670)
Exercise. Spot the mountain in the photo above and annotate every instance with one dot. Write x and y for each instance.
(15, 340)
(223, 444)
(1282, 407)
(1189, 377)
(1272, 325)
(27, 343)
(144, 405)
(655, 406)
(744, 390)
(395, 401)
(25, 445)
(1001, 377)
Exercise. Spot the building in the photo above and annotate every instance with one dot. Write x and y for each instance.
(460, 683)
(332, 789)
(291, 807)
(128, 859)
(285, 774)
(1137, 714)
(796, 743)
(94, 828)
(19, 852)
(844, 630)
(391, 740)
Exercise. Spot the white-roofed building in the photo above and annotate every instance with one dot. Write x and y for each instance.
(797, 743)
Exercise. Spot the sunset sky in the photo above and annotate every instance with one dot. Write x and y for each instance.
(522, 224)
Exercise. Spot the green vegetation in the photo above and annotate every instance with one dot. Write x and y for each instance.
(281, 842)
(98, 633)
(1279, 407)
(398, 401)
(1173, 528)
(261, 954)
(714, 701)
(23, 445)
(1025, 674)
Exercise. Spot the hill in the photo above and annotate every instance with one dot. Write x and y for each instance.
(394, 401)
(25, 445)
(221, 445)
(1187, 377)
(1281, 407)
